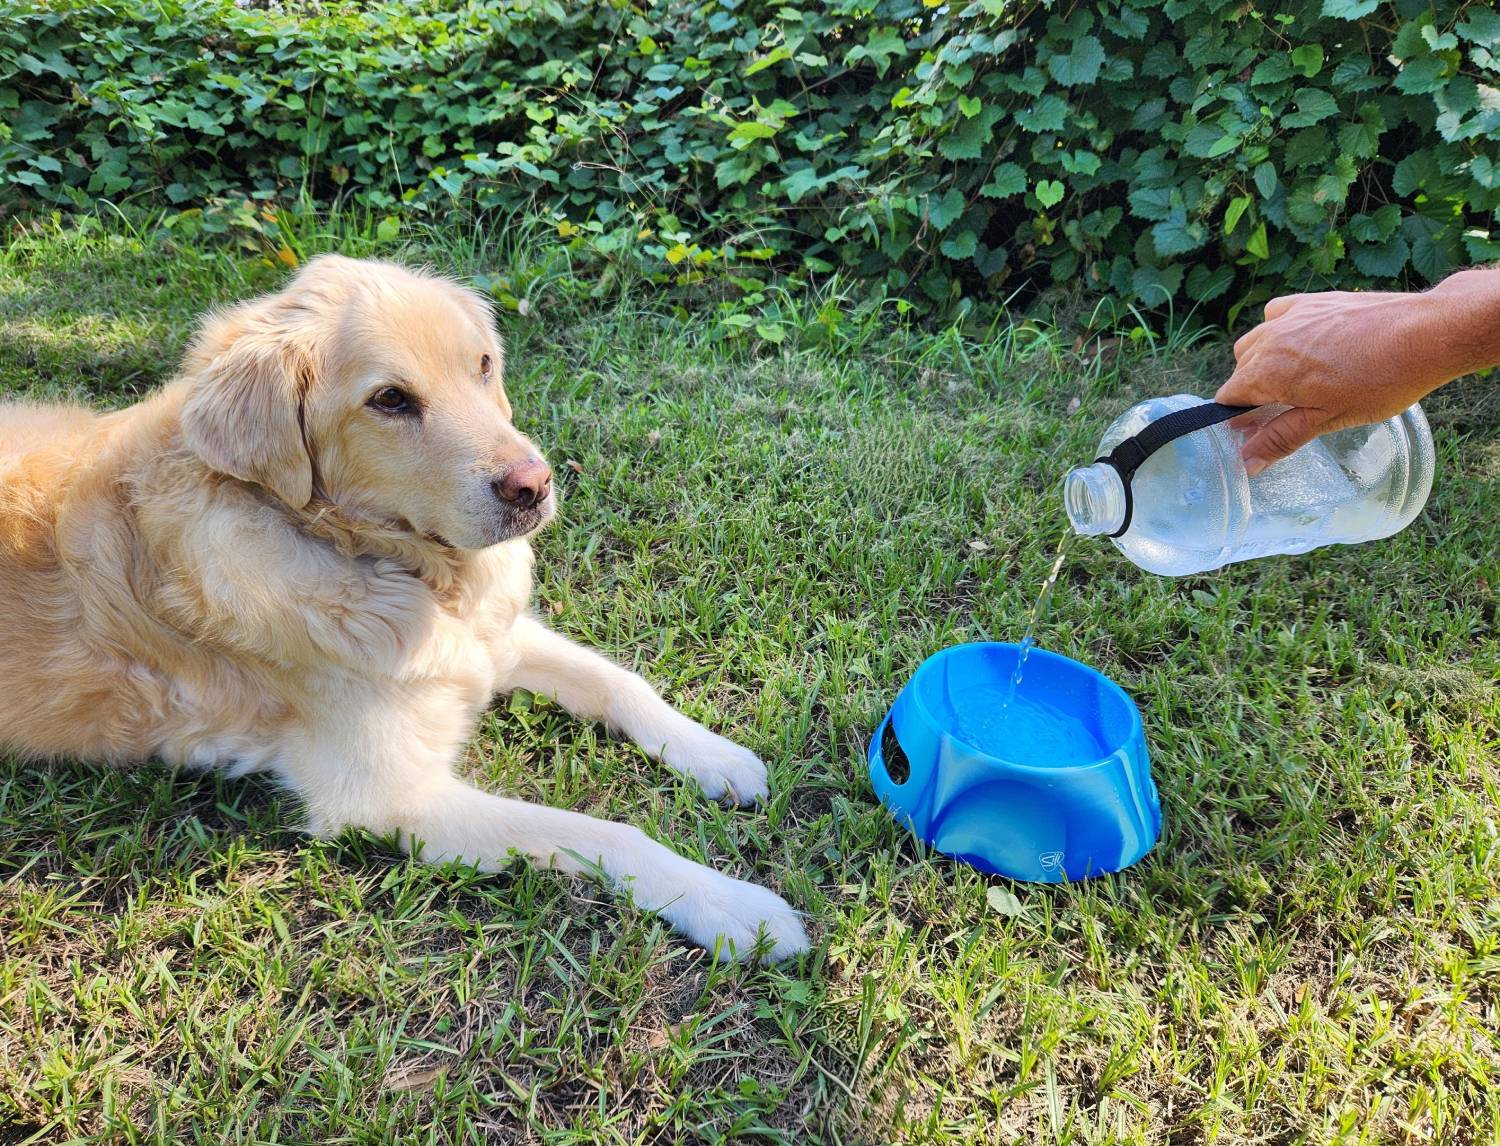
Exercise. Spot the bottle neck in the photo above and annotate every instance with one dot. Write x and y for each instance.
(1094, 498)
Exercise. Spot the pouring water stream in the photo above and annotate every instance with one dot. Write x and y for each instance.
(1038, 614)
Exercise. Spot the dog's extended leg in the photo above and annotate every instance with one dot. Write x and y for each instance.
(591, 687)
(724, 915)
(440, 818)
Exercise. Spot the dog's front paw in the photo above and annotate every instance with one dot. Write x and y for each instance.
(721, 767)
(735, 921)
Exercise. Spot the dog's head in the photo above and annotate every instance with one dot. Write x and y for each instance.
(377, 388)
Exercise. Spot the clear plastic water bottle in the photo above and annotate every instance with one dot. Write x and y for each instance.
(1190, 506)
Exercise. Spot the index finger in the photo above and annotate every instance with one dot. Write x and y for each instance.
(1241, 388)
(1246, 342)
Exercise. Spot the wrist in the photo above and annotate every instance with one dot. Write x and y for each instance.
(1477, 281)
(1459, 319)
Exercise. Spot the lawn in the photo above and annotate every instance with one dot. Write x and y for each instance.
(776, 536)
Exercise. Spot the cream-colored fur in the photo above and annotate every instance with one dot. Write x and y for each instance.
(260, 568)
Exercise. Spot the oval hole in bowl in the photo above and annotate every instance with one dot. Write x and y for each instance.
(897, 766)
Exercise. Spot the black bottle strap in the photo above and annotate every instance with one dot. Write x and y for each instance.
(1132, 453)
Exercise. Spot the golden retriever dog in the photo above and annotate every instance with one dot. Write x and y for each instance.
(308, 555)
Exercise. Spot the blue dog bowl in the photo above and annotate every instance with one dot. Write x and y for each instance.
(1056, 787)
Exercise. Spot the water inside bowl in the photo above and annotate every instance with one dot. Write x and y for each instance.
(1030, 731)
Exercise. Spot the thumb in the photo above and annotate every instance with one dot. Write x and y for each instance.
(1282, 435)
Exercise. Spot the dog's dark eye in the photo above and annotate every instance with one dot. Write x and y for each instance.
(485, 365)
(393, 400)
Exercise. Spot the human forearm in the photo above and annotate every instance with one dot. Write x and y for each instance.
(1345, 358)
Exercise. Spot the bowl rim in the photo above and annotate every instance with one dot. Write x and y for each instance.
(1135, 734)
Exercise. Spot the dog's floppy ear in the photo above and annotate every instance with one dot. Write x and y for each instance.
(243, 413)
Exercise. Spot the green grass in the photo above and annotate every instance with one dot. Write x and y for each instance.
(777, 537)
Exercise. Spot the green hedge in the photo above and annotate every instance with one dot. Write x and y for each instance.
(1193, 152)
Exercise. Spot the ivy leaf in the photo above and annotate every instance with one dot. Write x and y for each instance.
(736, 168)
(880, 47)
(1009, 179)
(1308, 59)
(1265, 179)
(943, 212)
(1232, 215)
(799, 183)
(748, 131)
(1352, 74)
(1377, 226)
(1307, 148)
(1257, 244)
(1175, 235)
(1306, 211)
(1457, 97)
(1080, 162)
(1099, 224)
(990, 260)
(1223, 146)
(1156, 286)
(1486, 172)
(1422, 75)
(1079, 66)
(1149, 115)
(963, 143)
(1044, 115)
(1273, 70)
(1359, 140)
(1349, 9)
(760, 65)
(972, 135)
(1128, 24)
(1481, 26)
(1204, 285)
(1418, 171)
(450, 181)
(1431, 257)
(1409, 40)
(1049, 192)
(1439, 41)
(1481, 248)
(1382, 260)
(1151, 202)
(1313, 104)
(960, 245)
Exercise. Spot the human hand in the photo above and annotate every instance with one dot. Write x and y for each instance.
(1340, 359)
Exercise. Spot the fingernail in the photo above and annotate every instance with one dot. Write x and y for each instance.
(1253, 466)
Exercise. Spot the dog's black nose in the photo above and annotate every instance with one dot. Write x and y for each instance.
(524, 485)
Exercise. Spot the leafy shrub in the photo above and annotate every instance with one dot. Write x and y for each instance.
(1187, 153)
